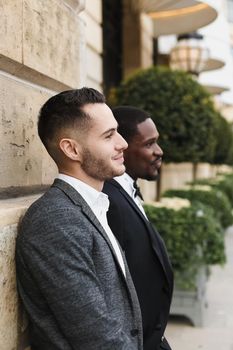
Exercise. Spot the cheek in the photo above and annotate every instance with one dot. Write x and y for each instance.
(146, 155)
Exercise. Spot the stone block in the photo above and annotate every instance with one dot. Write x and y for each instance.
(49, 169)
(12, 321)
(93, 84)
(91, 26)
(94, 8)
(53, 40)
(76, 5)
(21, 156)
(11, 29)
(8, 297)
(94, 66)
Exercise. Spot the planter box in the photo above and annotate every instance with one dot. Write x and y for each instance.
(191, 303)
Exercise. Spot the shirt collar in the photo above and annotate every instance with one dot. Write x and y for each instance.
(126, 182)
(90, 195)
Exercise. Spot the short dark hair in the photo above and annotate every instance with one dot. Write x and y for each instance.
(128, 118)
(64, 110)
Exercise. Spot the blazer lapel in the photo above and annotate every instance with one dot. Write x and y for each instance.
(156, 241)
(77, 199)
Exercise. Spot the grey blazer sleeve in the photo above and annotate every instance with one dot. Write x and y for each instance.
(59, 260)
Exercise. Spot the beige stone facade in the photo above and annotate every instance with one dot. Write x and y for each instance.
(42, 51)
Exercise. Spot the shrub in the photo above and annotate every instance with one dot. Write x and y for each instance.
(226, 185)
(222, 183)
(193, 238)
(224, 141)
(214, 198)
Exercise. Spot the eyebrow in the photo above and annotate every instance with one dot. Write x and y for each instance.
(153, 138)
(108, 131)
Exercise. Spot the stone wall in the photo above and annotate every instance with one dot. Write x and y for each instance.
(42, 49)
(42, 52)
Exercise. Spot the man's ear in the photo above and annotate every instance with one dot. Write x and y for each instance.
(70, 148)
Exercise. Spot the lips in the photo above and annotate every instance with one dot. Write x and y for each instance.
(157, 162)
(119, 157)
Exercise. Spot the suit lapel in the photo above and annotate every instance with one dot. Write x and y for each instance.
(77, 199)
(156, 241)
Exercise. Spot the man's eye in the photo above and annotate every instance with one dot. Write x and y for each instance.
(109, 136)
(148, 145)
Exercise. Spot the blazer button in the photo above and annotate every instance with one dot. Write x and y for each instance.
(134, 332)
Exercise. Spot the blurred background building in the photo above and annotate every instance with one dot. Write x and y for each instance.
(50, 46)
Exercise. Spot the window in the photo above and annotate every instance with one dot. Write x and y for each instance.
(112, 43)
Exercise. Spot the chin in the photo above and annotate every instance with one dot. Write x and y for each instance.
(151, 177)
(118, 172)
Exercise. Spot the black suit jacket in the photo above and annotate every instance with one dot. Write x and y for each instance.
(147, 260)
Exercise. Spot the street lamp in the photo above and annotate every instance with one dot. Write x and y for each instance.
(190, 53)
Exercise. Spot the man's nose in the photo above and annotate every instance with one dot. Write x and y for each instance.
(121, 142)
(158, 150)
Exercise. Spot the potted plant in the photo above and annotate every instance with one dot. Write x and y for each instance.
(195, 241)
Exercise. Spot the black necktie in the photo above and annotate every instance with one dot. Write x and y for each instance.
(137, 192)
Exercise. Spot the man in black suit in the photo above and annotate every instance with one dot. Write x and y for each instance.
(144, 248)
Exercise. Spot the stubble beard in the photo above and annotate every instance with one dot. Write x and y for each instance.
(98, 168)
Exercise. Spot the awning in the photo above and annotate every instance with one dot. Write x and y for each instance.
(177, 17)
(219, 80)
(217, 39)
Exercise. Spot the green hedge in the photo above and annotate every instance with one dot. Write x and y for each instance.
(193, 238)
(223, 183)
(214, 198)
(224, 141)
(226, 185)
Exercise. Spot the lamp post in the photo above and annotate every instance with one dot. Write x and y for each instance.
(190, 54)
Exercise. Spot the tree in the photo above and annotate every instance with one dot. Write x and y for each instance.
(224, 141)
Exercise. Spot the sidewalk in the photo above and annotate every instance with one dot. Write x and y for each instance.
(217, 333)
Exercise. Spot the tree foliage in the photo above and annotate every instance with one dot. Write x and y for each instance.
(224, 142)
(180, 107)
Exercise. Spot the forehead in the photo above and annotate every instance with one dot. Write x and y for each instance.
(146, 130)
(101, 116)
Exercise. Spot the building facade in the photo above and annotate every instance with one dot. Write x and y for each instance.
(47, 47)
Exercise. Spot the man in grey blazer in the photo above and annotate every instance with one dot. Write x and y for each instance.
(72, 276)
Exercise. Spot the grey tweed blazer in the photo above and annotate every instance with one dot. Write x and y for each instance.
(69, 278)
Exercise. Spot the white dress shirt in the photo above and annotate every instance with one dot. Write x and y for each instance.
(99, 204)
(127, 182)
